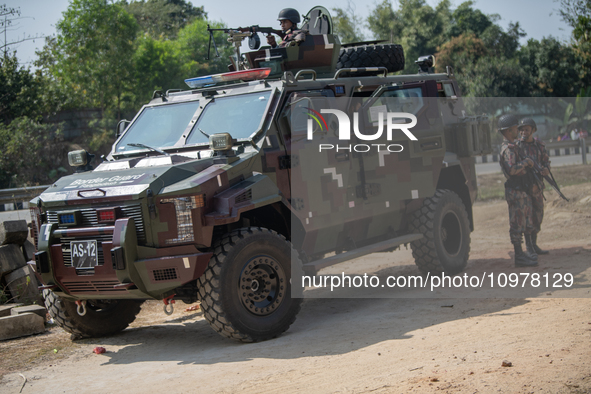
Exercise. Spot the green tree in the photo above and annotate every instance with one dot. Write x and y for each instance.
(156, 67)
(571, 10)
(384, 23)
(460, 52)
(347, 24)
(20, 91)
(191, 50)
(163, 64)
(163, 18)
(552, 67)
(94, 52)
(466, 19)
(30, 153)
(503, 43)
(582, 36)
(495, 77)
(418, 27)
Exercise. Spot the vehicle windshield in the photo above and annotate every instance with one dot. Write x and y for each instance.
(158, 127)
(238, 115)
(164, 125)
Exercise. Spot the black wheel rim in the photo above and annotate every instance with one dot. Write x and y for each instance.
(262, 285)
(451, 233)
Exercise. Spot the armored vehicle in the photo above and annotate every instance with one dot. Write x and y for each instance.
(206, 194)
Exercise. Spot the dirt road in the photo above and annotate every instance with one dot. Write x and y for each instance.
(356, 345)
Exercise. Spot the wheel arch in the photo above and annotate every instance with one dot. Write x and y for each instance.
(453, 178)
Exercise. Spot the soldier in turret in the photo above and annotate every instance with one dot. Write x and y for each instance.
(516, 189)
(535, 150)
(290, 35)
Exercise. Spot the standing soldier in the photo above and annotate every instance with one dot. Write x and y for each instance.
(516, 189)
(535, 150)
(290, 35)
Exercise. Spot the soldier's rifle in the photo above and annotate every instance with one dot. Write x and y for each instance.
(537, 173)
(237, 35)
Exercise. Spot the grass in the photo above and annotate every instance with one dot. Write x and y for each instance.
(492, 186)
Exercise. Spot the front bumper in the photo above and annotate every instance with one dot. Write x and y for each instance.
(124, 270)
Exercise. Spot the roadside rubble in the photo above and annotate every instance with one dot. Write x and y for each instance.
(18, 283)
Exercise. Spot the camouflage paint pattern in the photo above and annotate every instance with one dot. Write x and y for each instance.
(339, 200)
(317, 52)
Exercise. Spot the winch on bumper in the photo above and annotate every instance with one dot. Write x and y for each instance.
(119, 269)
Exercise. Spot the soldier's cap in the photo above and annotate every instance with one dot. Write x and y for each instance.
(290, 14)
(528, 122)
(507, 121)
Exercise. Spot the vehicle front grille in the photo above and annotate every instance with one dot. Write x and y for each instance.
(92, 286)
(89, 219)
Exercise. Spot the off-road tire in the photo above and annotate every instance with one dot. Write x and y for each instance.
(114, 316)
(226, 288)
(390, 56)
(445, 246)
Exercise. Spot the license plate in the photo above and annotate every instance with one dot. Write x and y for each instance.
(84, 254)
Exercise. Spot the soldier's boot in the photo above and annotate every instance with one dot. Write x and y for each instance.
(522, 259)
(534, 239)
(531, 252)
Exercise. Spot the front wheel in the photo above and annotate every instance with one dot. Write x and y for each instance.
(445, 246)
(245, 291)
(102, 318)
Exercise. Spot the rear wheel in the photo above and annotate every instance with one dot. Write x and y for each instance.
(445, 246)
(245, 292)
(102, 318)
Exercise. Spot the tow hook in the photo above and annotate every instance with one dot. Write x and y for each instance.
(168, 301)
(81, 307)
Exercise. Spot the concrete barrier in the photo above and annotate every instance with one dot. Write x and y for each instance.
(13, 232)
(6, 309)
(36, 309)
(11, 259)
(23, 285)
(16, 326)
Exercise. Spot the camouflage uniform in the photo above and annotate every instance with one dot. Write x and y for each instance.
(537, 151)
(292, 37)
(516, 193)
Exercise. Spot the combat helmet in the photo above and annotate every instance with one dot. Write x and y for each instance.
(528, 122)
(507, 121)
(290, 14)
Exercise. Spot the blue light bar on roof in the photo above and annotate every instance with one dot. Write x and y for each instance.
(200, 81)
(244, 75)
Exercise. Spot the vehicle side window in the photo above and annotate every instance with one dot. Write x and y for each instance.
(400, 100)
(299, 108)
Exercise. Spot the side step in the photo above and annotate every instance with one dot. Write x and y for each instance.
(313, 267)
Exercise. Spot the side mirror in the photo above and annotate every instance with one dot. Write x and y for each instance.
(80, 160)
(121, 126)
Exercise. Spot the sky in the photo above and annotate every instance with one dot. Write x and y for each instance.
(538, 18)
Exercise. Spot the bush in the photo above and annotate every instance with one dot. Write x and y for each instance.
(31, 153)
